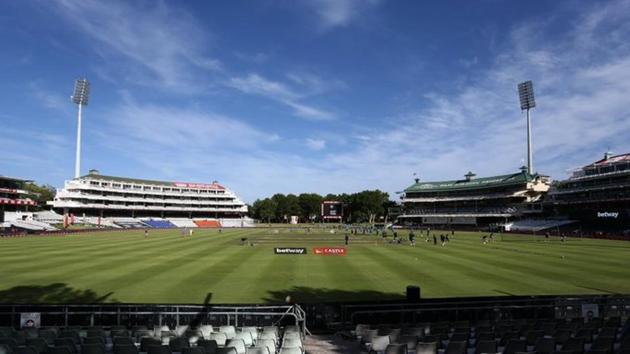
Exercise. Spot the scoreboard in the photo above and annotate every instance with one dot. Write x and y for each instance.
(331, 210)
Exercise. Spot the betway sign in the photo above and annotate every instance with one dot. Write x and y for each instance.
(330, 251)
(608, 214)
(289, 250)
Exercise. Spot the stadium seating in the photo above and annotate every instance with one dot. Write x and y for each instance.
(158, 223)
(208, 224)
(187, 223)
(535, 225)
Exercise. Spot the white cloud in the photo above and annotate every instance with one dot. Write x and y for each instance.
(166, 42)
(339, 13)
(315, 144)
(255, 84)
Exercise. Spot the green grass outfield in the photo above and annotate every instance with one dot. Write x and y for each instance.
(123, 266)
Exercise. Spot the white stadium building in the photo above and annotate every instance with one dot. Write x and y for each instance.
(128, 202)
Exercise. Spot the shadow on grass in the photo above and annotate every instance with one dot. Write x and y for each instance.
(303, 294)
(57, 293)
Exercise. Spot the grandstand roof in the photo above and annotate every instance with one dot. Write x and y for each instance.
(213, 185)
(477, 183)
(612, 159)
(12, 179)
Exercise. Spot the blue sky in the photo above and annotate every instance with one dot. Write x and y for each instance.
(311, 96)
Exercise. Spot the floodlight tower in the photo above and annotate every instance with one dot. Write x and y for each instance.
(80, 97)
(526, 95)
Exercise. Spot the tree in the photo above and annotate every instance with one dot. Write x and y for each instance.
(41, 194)
(310, 203)
(264, 209)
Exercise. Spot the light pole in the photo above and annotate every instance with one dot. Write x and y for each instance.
(80, 97)
(526, 96)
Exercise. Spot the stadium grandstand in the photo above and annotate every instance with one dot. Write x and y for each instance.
(474, 201)
(14, 200)
(597, 195)
(137, 203)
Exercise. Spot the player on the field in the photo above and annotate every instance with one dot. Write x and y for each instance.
(346, 238)
(146, 233)
(434, 240)
(412, 238)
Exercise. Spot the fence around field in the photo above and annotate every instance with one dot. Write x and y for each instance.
(171, 315)
(323, 317)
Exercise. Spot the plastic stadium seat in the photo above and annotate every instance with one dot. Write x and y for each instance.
(246, 337)
(295, 343)
(603, 344)
(229, 331)
(269, 343)
(4, 349)
(573, 345)
(70, 334)
(486, 346)
(59, 350)
(460, 337)
(220, 338)
(608, 332)
(252, 330)
(585, 333)
(122, 341)
(96, 333)
(410, 341)
(143, 333)
(227, 350)
(48, 335)
(456, 347)
(394, 334)
(39, 344)
(273, 329)
(561, 336)
(290, 351)
(507, 337)
(67, 342)
(119, 333)
(178, 343)
(257, 350)
(125, 349)
(396, 349)
(94, 340)
(368, 335)
(237, 344)
(294, 335)
(515, 345)
(291, 328)
(206, 330)
(418, 332)
(269, 336)
(360, 329)
(180, 330)
(147, 342)
(545, 345)
(159, 349)
(92, 349)
(379, 344)
(25, 350)
(485, 336)
(30, 332)
(209, 345)
(196, 350)
(533, 336)
(426, 348)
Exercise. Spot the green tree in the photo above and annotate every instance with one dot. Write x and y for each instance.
(40, 194)
(264, 210)
(310, 203)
